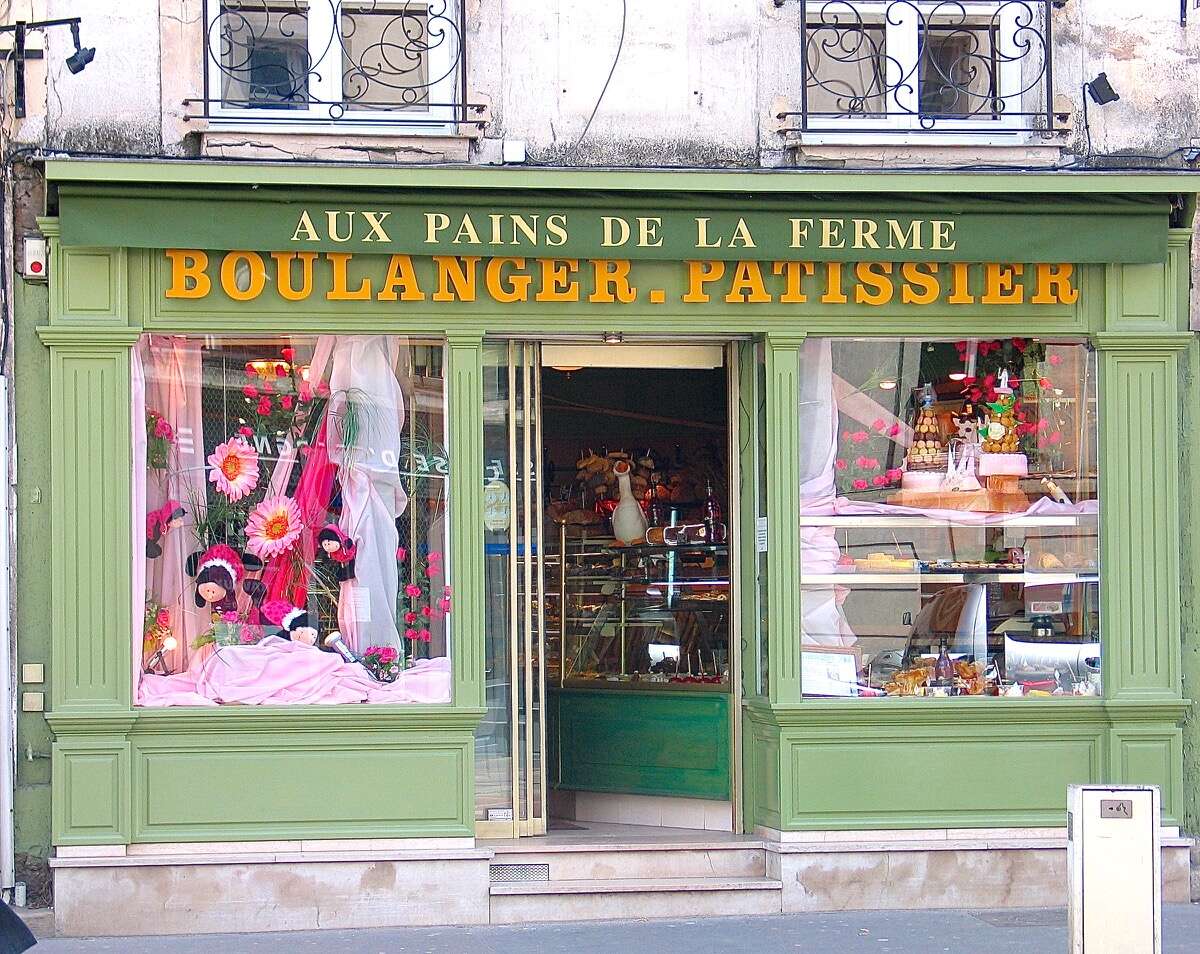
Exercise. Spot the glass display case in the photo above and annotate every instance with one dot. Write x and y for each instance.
(644, 616)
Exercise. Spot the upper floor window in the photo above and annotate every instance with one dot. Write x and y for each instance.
(960, 66)
(397, 62)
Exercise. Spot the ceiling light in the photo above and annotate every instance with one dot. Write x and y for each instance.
(957, 375)
(566, 368)
(887, 384)
(83, 55)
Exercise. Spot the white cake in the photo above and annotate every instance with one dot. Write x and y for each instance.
(922, 481)
(1012, 465)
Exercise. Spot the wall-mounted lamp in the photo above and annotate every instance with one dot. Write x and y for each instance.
(1101, 90)
(75, 62)
(612, 337)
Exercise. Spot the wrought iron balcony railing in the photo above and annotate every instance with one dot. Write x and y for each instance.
(353, 62)
(980, 67)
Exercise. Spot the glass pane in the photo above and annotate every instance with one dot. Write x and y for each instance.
(760, 528)
(958, 76)
(295, 498)
(950, 518)
(846, 70)
(263, 55)
(386, 48)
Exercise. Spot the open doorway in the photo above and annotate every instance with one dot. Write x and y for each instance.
(638, 609)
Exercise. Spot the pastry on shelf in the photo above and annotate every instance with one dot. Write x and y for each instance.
(884, 563)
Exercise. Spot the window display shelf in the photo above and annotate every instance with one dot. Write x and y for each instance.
(919, 579)
(912, 521)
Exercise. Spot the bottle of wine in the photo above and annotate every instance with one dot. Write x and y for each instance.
(943, 669)
(714, 529)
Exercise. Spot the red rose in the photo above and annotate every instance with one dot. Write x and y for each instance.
(264, 406)
(288, 354)
(250, 391)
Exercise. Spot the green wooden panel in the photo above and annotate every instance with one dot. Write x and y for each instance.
(1151, 755)
(219, 788)
(641, 742)
(90, 803)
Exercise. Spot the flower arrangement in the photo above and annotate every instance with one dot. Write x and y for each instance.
(382, 662)
(160, 438)
(417, 605)
(229, 629)
(157, 625)
(278, 399)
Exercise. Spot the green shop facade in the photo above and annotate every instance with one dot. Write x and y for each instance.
(858, 719)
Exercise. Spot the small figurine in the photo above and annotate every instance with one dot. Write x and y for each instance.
(219, 571)
(292, 621)
(159, 523)
(340, 550)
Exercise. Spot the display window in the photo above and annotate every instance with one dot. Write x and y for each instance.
(949, 518)
(292, 502)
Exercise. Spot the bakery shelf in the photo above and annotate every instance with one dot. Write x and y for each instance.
(912, 579)
(907, 521)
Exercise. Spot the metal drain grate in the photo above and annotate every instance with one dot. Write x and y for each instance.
(507, 873)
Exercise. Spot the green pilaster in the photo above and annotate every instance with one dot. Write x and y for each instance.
(783, 515)
(465, 402)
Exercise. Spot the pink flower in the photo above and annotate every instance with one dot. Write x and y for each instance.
(862, 462)
(281, 370)
(444, 604)
(322, 390)
(1055, 359)
(250, 391)
(435, 556)
(1044, 383)
(894, 475)
(248, 638)
(410, 617)
(839, 464)
(288, 353)
(163, 618)
(264, 406)
(426, 612)
(1041, 441)
(860, 484)
(274, 526)
(410, 633)
(250, 372)
(234, 468)
(304, 392)
(872, 463)
(894, 429)
(879, 480)
(246, 431)
(1043, 424)
(859, 436)
(268, 387)
(1054, 437)
(387, 655)
(401, 554)
(285, 402)
(878, 424)
(229, 616)
(163, 429)
(424, 635)
(412, 590)
(1019, 344)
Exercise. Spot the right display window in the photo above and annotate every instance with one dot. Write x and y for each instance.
(949, 518)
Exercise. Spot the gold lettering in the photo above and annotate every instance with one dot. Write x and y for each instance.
(456, 271)
(999, 286)
(920, 287)
(702, 235)
(375, 224)
(283, 274)
(1054, 285)
(466, 230)
(741, 235)
(305, 226)
(942, 231)
(833, 285)
(612, 224)
(338, 290)
(906, 239)
(793, 272)
(331, 221)
(401, 281)
(528, 228)
(435, 222)
(188, 278)
(831, 234)
(747, 284)
(874, 283)
(256, 275)
(556, 226)
(864, 233)
(648, 236)
(517, 289)
(555, 284)
(800, 229)
(701, 273)
(960, 293)
(611, 281)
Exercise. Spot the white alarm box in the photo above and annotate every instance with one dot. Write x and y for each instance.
(1114, 869)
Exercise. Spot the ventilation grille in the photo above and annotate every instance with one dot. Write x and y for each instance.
(507, 873)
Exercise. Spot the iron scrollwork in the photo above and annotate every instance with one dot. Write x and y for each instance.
(399, 57)
(964, 65)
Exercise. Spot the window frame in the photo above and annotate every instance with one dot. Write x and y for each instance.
(327, 109)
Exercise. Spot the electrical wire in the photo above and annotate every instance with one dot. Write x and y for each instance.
(612, 69)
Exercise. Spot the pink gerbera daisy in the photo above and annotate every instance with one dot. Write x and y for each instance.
(273, 527)
(234, 468)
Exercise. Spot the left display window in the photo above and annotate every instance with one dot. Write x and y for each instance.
(291, 519)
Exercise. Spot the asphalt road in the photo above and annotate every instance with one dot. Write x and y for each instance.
(880, 932)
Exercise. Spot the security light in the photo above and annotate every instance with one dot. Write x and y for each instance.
(83, 55)
(1101, 90)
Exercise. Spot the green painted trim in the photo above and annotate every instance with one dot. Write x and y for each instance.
(81, 334)
(968, 711)
(783, 515)
(341, 175)
(1143, 343)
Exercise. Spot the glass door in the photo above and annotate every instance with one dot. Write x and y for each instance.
(510, 795)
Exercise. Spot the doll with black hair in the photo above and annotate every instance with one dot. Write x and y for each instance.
(160, 522)
(294, 623)
(339, 550)
(220, 571)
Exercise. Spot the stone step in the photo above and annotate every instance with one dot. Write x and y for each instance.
(595, 862)
(595, 899)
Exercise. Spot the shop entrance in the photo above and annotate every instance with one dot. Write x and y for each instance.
(610, 563)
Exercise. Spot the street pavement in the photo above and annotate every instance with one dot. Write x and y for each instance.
(1042, 931)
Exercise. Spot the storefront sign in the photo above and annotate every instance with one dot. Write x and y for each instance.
(244, 276)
